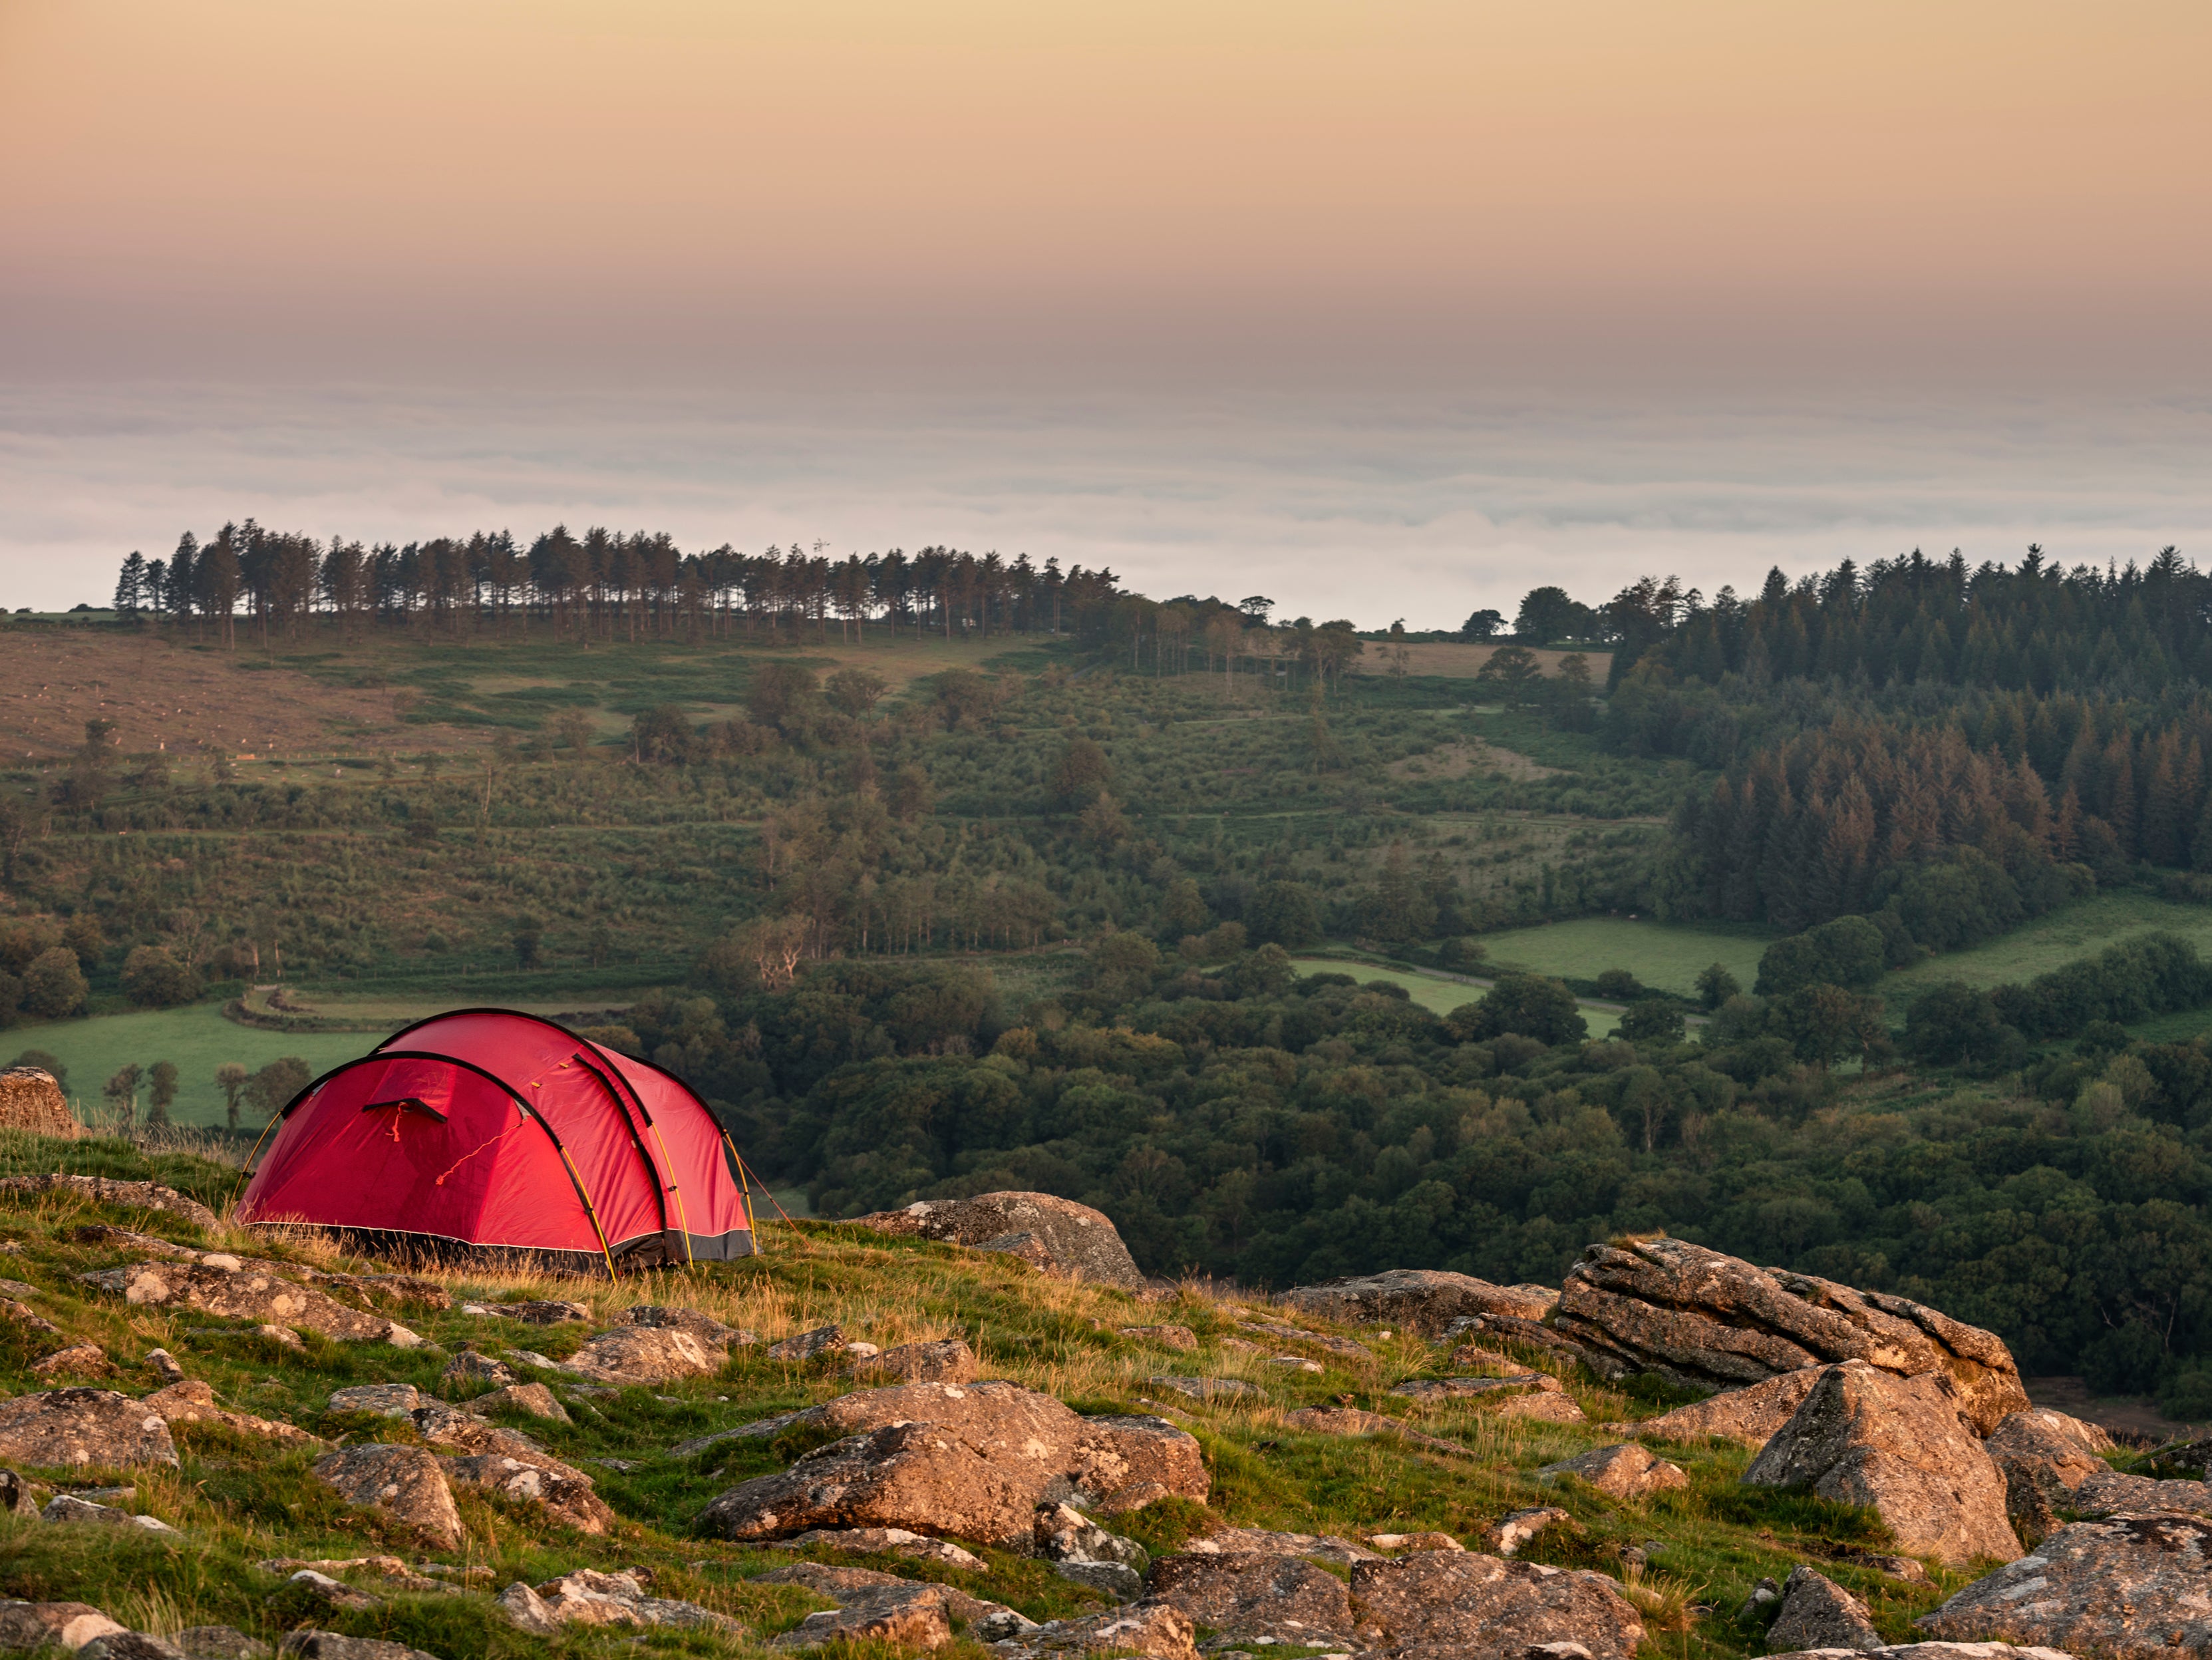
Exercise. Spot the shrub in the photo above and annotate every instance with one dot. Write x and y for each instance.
(153, 978)
(54, 985)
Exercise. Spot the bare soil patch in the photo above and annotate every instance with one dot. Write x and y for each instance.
(181, 700)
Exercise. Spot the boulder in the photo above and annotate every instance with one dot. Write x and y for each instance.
(1151, 1629)
(1714, 1321)
(1079, 1549)
(2044, 1456)
(31, 1099)
(238, 1293)
(1505, 1536)
(1865, 1436)
(1180, 1338)
(24, 1315)
(131, 1646)
(1818, 1613)
(1436, 1390)
(1542, 1409)
(2110, 1491)
(1405, 1541)
(1750, 1415)
(60, 1427)
(35, 1625)
(947, 1361)
(18, 1496)
(125, 1195)
(1626, 1472)
(539, 1311)
(192, 1401)
(1056, 1235)
(509, 1463)
(408, 1483)
(1242, 1596)
(1419, 1300)
(532, 1398)
(838, 1582)
(995, 1451)
(2128, 1588)
(646, 1354)
(1465, 1603)
(163, 1364)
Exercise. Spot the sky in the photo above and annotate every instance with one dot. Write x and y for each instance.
(1383, 307)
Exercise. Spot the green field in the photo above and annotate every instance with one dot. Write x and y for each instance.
(198, 1040)
(1665, 956)
(2077, 930)
(1435, 993)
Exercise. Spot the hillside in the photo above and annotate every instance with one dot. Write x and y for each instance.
(616, 1494)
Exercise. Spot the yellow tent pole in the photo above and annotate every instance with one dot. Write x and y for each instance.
(589, 1209)
(682, 1219)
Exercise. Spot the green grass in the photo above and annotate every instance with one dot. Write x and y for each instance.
(2078, 930)
(195, 1037)
(240, 1499)
(1665, 956)
(1433, 992)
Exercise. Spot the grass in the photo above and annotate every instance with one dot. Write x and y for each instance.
(241, 1500)
(1434, 992)
(1665, 956)
(2081, 929)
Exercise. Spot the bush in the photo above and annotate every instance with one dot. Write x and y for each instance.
(1531, 1006)
(1849, 952)
(1953, 1024)
(1652, 1020)
(54, 985)
(153, 978)
(271, 1089)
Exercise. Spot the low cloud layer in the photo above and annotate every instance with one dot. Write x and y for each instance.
(1370, 508)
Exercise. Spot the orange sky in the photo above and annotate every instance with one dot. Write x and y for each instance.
(404, 184)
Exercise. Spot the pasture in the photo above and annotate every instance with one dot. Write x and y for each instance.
(1664, 956)
(2081, 929)
(1441, 994)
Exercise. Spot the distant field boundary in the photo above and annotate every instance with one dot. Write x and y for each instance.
(1463, 660)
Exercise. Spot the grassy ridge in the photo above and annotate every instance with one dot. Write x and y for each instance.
(240, 1500)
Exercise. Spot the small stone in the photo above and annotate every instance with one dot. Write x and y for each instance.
(289, 1339)
(385, 1400)
(130, 1645)
(17, 1496)
(470, 1367)
(1207, 1389)
(947, 1361)
(331, 1645)
(1295, 1362)
(25, 1316)
(1626, 1472)
(1509, 1532)
(332, 1593)
(862, 1351)
(806, 1345)
(1180, 1338)
(68, 1507)
(1764, 1592)
(164, 1366)
(1405, 1541)
(543, 1311)
(890, 1542)
(1818, 1613)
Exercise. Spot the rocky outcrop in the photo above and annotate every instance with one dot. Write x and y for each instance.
(125, 1195)
(1750, 1415)
(1626, 1472)
(646, 1354)
(2109, 1492)
(534, 1399)
(2128, 1588)
(1079, 1549)
(408, 1483)
(889, 1541)
(1715, 1322)
(60, 1427)
(228, 1289)
(1419, 1300)
(507, 1463)
(1284, 1599)
(1818, 1613)
(970, 1461)
(903, 1614)
(946, 1361)
(1056, 1235)
(2044, 1456)
(1268, 1542)
(1463, 1603)
(385, 1400)
(193, 1402)
(1899, 1445)
(32, 1099)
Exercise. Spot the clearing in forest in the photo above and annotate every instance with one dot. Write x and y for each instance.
(1664, 956)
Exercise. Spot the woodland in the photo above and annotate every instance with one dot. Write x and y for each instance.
(939, 874)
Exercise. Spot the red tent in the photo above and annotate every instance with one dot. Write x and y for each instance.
(487, 1135)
